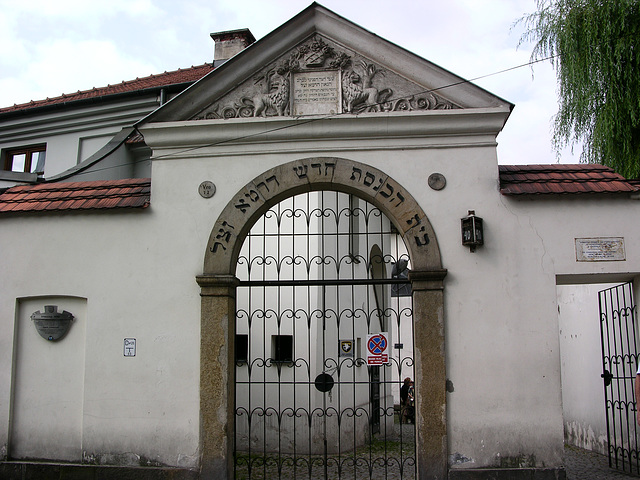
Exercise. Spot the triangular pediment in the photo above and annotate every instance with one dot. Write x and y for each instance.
(319, 63)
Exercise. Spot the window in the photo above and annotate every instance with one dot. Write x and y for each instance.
(282, 348)
(242, 348)
(25, 159)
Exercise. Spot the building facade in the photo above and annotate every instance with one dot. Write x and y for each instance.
(153, 371)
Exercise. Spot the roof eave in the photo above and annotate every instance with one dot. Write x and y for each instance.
(89, 101)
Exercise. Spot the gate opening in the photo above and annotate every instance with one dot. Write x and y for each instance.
(324, 340)
(619, 332)
(599, 357)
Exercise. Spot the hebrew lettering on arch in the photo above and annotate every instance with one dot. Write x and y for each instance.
(242, 205)
(422, 241)
(267, 181)
(401, 201)
(263, 185)
(388, 187)
(411, 220)
(223, 233)
(328, 166)
(368, 176)
(353, 174)
(252, 195)
(214, 249)
(301, 171)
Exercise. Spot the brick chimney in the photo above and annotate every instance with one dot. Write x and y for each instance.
(230, 43)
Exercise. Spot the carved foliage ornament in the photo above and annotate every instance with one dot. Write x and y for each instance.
(360, 86)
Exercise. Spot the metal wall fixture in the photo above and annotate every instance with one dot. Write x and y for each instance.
(207, 189)
(472, 231)
(51, 324)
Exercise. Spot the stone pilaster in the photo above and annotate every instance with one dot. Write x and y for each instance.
(217, 392)
(430, 381)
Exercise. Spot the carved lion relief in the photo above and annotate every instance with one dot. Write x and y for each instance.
(361, 86)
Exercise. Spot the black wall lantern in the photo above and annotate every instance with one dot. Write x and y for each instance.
(472, 232)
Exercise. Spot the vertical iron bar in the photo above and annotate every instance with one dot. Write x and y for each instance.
(634, 370)
(309, 320)
(626, 352)
(356, 356)
(617, 305)
(279, 338)
(617, 339)
(323, 306)
(295, 336)
(323, 240)
(267, 359)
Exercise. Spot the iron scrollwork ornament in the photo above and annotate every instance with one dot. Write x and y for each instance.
(51, 324)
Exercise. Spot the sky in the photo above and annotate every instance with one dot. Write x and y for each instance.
(55, 47)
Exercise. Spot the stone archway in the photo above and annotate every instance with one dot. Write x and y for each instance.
(218, 284)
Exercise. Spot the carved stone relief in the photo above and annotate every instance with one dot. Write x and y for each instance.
(320, 77)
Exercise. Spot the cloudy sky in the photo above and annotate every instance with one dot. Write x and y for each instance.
(54, 47)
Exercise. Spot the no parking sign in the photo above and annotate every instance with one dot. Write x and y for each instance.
(378, 348)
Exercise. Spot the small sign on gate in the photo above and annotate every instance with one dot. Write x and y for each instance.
(346, 348)
(378, 348)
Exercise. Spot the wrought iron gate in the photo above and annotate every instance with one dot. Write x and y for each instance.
(618, 328)
(323, 297)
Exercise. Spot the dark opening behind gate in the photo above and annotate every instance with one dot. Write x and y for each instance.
(324, 339)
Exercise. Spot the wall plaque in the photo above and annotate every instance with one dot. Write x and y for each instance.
(316, 93)
(207, 189)
(129, 347)
(601, 249)
(51, 324)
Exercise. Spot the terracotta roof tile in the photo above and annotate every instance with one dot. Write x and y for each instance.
(562, 179)
(180, 76)
(97, 195)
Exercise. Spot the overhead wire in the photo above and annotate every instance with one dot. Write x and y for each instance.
(328, 116)
(304, 121)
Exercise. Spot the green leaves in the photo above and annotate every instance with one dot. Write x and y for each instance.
(595, 45)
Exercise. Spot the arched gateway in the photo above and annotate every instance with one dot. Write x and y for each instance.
(218, 292)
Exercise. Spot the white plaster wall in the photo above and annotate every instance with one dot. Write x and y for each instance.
(497, 331)
(138, 270)
(135, 409)
(583, 401)
(88, 145)
(48, 384)
(63, 131)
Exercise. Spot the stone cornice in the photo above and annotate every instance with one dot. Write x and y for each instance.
(485, 122)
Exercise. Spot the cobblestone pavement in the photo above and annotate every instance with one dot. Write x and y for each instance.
(580, 464)
(390, 460)
(586, 465)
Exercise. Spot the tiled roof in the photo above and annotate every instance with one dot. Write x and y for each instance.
(565, 179)
(177, 77)
(98, 195)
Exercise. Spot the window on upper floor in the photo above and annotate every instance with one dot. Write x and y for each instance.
(25, 159)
